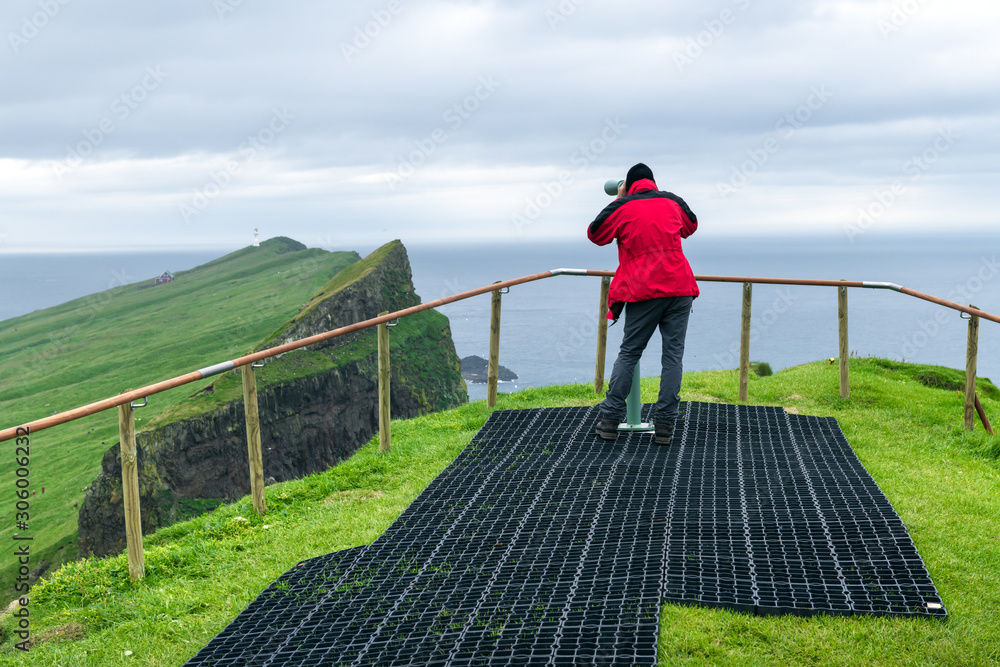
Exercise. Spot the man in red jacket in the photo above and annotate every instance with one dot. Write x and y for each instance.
(655, 286)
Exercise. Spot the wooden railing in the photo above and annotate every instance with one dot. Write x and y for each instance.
(125, 402)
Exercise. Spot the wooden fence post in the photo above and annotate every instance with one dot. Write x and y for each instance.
(982, 416)
(970, 371)
(602, 335)
(384, 414)
(253, 439)
(130, 492)
(494, 367)
(845, 383)
(745, 343)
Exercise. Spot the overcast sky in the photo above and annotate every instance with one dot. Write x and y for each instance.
(189, 123)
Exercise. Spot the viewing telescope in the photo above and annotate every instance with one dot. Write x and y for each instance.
(611, 187)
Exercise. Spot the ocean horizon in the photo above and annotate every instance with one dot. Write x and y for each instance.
(549, 328)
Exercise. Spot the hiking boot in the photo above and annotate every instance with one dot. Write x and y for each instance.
(607, 429)
(664, 433)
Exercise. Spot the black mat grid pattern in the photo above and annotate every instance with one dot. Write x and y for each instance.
(773, 513)
(541, 544)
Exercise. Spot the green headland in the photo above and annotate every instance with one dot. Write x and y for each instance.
(78, 352)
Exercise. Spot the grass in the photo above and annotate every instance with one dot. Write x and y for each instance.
(904, 424)
(63, 357)
(339, 282)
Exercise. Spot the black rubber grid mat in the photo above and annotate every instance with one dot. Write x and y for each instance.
(541, 544)
(773, 513)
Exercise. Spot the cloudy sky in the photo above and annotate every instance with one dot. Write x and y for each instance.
(189, 123)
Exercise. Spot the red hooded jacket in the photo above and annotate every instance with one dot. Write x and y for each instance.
(649, 225)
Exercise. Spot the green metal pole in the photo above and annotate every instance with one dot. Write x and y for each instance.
(633, 407)
(633, 404)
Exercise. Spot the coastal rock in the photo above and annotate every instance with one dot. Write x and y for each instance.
(310, 419)
(476, 369)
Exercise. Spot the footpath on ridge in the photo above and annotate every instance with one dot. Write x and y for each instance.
(542, 544)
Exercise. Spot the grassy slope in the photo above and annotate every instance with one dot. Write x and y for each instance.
(943, 481)
(415, 337)
(84, 350)
(350, 276)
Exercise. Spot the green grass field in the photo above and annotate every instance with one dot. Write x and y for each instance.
(76, 353)
(942, 480)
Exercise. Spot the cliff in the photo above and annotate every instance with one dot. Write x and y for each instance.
(317, 405)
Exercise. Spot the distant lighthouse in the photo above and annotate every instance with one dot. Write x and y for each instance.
(256, 238)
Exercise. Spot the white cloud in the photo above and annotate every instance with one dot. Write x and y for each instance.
(359, 120)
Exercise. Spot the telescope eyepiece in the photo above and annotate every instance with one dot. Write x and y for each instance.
(611, 186)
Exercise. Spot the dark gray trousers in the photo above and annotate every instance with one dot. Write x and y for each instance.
(670, 314)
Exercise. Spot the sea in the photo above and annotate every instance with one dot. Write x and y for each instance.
(549, 328)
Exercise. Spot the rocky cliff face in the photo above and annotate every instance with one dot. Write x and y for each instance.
(309, 420)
